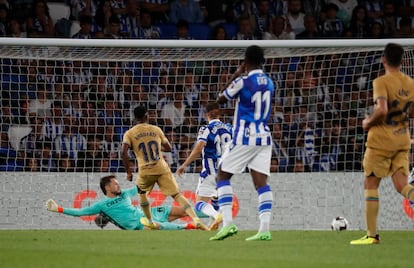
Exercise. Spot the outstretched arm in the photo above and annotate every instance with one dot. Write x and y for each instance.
(195, 153)
(51, 205)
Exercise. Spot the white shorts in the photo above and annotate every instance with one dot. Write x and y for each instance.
(207, 186)
(236, 158)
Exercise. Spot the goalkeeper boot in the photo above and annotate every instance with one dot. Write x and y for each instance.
(226, 231)
(199, 225)
(216, 223)
(144, 221)
(366, 240)
(260, 236)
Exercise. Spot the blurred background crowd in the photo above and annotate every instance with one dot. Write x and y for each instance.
(207, 19)
(70, 115)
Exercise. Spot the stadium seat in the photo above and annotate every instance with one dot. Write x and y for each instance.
(199, 31)
(231, 29)
(58, 10)
(74, 28)
(168, 30)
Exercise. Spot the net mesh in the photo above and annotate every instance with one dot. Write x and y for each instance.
(65, 108)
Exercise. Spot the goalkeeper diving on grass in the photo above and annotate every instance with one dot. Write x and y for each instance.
(117, 208)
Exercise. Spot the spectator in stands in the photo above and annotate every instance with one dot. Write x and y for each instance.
(295, 16)
(65, 164)
(312, 7)
(147, 30)
(161, 93)
(31, 163)
(345, 10)
(375, 9)
(111, 115)
(331, 27)
(359, 25)
(242, 8)
(390, 19)
(40, 23)
(174, 112)
(183, 30)
(85, 31)
(405, 28)
(88, 160)
(245, 29)
(41, 105)
(280, 30)
(81, 8)
(213, 11)
(4, 20)
(16, 28)
(138, 97)
(376, 30)
(188, 10)
(113, 29)
(219, 33)
(71, 141)
(311, 30)
(47, 162)
(405, 8)
(77, 76)
(119, 8)
(29, 142)
(158, 8)
(53, 125)
(89, 120)
(130, 22)
(192, 89)
(280, 148)
(263, 19)
(103, 13)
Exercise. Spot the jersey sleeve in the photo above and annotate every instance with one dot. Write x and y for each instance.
(91, 210)
(233, 90)
(379, 89)
(126, 138)
(162, 136)
(203, 133)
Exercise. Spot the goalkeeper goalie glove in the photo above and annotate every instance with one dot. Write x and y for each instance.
(51, 205)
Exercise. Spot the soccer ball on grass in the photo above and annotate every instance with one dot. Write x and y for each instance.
(339, 224)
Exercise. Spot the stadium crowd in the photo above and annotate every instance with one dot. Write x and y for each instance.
(71, 115)
(207, 19)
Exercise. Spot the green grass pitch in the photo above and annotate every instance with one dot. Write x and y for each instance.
(117, 248)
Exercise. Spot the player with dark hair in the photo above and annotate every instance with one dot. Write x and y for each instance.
(211, 142)
(251, 145)
(147, 141)
(117, 208)
(388, 142)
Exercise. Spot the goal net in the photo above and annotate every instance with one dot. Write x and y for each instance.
(55, 88)
(66, 103)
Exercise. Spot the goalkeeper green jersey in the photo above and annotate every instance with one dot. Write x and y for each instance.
(119, 210)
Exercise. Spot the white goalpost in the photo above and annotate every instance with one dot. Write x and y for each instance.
(66, 104)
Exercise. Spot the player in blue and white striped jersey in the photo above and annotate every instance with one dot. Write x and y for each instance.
(251, 146)
(211, 142)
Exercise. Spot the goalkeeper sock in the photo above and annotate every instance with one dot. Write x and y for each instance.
(371, 211)
(265, 207)
(225, 200)
(171, 226)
